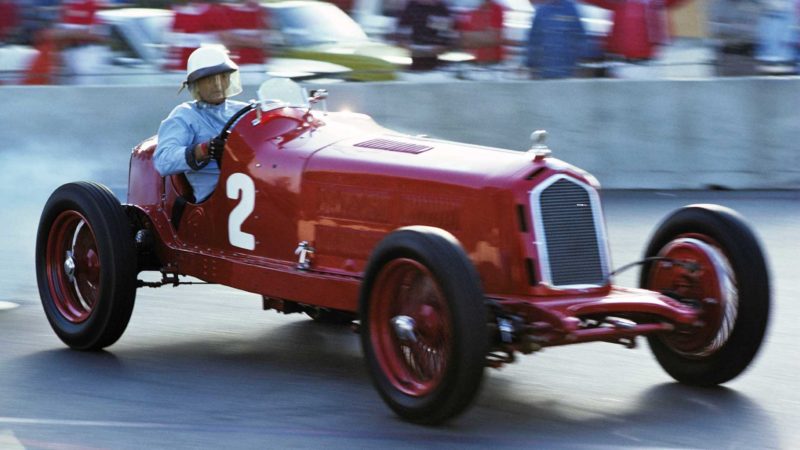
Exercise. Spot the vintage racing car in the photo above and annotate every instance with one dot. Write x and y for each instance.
(450, 258)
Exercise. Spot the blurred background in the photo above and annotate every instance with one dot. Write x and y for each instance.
(148, 41)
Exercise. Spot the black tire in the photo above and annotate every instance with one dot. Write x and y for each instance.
(84, 226)
(442, 296)
(731, 289)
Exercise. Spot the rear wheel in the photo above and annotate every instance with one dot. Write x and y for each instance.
(86, 265)
(713, 261)
(423, 325)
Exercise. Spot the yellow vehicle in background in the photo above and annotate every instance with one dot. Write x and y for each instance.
(321, 31)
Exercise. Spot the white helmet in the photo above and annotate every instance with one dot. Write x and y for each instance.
(212, 60)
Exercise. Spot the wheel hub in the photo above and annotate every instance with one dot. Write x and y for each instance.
(69, 267)
(712, 285)
(404, 328)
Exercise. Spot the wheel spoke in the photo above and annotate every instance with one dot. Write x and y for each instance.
(77, 232)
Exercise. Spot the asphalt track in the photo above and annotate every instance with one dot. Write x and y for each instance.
(204, 367)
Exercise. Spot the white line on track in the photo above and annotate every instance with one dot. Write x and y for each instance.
(7, 305)
(81, 423)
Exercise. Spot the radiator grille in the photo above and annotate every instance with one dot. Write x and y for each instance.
(571, 229)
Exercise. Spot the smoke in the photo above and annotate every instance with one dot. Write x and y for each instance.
(27, 181)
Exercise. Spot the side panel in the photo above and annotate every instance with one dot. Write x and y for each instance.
(352, 199)
(245, 234)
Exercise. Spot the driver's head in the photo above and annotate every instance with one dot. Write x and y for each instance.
(211, 76)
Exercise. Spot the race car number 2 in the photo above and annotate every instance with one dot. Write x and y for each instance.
(240, 186)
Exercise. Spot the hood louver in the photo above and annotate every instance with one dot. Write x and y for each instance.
(394, 146)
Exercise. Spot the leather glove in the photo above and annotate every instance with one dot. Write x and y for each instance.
(215, 148)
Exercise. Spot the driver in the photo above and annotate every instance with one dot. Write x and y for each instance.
(187, 138)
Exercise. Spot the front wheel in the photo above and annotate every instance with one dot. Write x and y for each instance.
(707, 256)
(423, 324)
(86, 265)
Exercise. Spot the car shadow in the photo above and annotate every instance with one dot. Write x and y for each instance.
(303, 370)
(668, 415)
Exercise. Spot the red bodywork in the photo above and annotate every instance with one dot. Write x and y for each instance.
(341, 183)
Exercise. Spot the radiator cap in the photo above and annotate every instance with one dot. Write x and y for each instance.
(539, 148)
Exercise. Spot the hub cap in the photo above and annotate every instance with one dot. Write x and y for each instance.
(73, 266)
(711, 285)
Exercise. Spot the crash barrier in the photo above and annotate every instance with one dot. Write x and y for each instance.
(665, 134)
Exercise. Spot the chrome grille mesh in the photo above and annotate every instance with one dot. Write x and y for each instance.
(570, 228)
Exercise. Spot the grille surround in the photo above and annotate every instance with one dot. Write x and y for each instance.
(570, 234)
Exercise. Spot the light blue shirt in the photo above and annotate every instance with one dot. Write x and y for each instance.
(189, 124)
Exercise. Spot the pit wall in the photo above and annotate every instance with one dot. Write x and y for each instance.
(665, 134)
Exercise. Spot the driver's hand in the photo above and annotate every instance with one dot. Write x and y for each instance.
(215, 148)
(201, 152)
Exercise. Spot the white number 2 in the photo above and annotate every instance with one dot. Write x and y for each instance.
(236, 184)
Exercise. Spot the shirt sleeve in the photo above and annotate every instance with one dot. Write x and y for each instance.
(174, 137)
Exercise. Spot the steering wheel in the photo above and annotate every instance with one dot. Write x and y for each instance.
(226, 130)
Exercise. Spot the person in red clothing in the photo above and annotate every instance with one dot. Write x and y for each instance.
(80, 40)
(239, 27)
(482, 33)
(246, 39)
(639, 26)
(67, 38)
(9, 20)
(195, 24)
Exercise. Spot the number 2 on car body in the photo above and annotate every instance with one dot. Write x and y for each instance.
(240, 186)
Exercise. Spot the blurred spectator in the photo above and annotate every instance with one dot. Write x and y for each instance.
(776, 52)
(195, 24)
(247, 39)
(556, 39)
(482, 33)
(79, 38)
(427, 28)
(733, 25)
(9, 20)
(639, 26)
(35, 17)
(65, 36)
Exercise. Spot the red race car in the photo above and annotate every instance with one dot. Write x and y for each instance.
(449, 257)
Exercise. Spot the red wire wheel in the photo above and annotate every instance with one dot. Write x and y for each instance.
(411, 331)
(709, 258)
(708, 277)
(86, 265)
(423, 324)
(73, 266)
